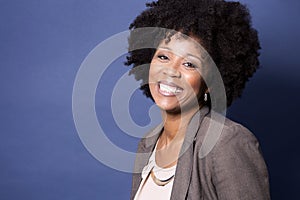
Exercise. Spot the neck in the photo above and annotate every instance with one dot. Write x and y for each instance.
(175, 125)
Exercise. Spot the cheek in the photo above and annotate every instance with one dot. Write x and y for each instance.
(151, 74)
(194, 81)
(151, 78)
(153, 70)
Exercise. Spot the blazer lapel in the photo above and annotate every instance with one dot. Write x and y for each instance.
(144, 152)
(185, 161)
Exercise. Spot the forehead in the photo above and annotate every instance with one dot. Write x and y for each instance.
(182, 45)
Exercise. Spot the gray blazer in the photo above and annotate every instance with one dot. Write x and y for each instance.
(234, 169)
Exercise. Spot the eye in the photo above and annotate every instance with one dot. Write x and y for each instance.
(189, 65)
(163, 57)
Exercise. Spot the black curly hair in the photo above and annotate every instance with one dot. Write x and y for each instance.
(224, 29)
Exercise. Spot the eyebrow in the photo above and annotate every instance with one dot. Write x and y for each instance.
(188, 54)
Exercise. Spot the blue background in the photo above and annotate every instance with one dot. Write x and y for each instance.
(42, 46)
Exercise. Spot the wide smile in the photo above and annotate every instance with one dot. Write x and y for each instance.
(169, 89)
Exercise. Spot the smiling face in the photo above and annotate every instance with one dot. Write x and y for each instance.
(174, 78)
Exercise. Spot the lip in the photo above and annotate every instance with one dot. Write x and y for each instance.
(168, 89)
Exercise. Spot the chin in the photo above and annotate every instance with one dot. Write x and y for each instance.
(178, 108)
(169, 108)
(167, 103)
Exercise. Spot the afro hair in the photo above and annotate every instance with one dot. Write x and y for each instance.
(223, 28)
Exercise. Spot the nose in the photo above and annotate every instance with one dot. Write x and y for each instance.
(172, 70)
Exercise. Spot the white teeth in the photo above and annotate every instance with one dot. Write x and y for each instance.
(169, 89)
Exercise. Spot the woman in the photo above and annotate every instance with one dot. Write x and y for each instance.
(175, 62)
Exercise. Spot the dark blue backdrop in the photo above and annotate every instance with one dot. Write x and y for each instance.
(42, 46)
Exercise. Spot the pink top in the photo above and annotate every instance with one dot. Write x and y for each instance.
(148, 188)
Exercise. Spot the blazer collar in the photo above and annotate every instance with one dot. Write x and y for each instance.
(185, 161)
(152, 137)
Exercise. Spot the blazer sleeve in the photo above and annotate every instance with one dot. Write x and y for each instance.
(239, 170)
